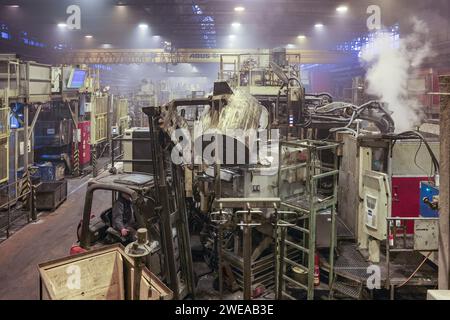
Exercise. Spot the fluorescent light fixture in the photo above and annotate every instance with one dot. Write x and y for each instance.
(89, 36)
(14, 6)
(62, 25)
(143, 26)
(106, 45)
(301, 37)
(342, 9)
(318, 25)
(235, 24)
(231, 36)
(239, 9)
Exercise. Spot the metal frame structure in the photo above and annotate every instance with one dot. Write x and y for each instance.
(392, 233)
(120, 114)
(100, 112)
(307, 206)
(99, 119)
(248, 208)
(127, 56)
(30, 210)
(28, 83)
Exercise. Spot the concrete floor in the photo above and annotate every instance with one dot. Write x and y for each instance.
(50, 238)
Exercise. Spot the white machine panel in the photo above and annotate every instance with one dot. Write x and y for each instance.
(377, 203)
(426, 235)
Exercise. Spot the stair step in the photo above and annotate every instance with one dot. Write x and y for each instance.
(347, 289)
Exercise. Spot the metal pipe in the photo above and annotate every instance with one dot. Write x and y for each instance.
(247, 255)
(25, 143)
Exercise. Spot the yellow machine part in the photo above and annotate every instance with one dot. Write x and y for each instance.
(99, 120)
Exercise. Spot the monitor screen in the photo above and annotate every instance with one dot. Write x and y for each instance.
(77, 79)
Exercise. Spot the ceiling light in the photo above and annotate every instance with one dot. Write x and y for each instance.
(231, 36)
(239, 9)
(62, 25)
(342, 9)
(235, 24)
(318, 25)
(143, 26)
(301, 37)
(14, 6)
(88, 36)
(121, 3)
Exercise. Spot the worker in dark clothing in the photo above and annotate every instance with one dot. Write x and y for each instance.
(123, 219)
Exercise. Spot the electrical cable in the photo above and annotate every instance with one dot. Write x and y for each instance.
(415, 157)
(297, 80)
(409, 134)
(415, 271)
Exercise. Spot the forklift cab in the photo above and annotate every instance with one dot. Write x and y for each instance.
(95, 227)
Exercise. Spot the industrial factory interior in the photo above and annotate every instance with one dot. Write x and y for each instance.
(185, 151)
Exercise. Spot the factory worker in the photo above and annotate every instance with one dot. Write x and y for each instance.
(123, 219)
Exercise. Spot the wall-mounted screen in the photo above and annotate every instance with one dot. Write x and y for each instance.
(77, 79)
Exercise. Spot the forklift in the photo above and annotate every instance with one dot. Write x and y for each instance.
(158, 204)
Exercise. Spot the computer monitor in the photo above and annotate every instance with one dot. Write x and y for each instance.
(77, 79)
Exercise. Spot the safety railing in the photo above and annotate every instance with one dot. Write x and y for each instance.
(17, 202)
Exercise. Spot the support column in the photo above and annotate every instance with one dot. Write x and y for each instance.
(444, 192)
(76, 152)
(247, 255)
(25, 140)
(25, 184)
(94, 160)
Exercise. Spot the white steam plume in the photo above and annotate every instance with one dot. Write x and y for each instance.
(389, 69)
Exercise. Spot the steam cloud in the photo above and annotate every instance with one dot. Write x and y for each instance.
(391, 67)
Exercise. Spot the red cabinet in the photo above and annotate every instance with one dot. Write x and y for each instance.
(84, 147)
(405, 198)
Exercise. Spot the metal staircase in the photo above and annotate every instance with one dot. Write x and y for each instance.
(346, 288)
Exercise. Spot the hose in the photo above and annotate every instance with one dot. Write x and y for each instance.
(415, 271)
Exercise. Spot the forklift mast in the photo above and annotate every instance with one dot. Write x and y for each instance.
(172, 209)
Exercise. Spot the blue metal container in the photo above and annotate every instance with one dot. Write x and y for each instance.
(47, 171)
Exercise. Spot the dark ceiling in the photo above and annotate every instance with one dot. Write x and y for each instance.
(264, 23)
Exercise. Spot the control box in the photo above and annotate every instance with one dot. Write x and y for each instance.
(429, 199)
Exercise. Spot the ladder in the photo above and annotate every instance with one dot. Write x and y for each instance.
(295, 248)
(296, 235)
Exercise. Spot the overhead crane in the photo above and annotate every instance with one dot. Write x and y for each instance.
(129, 56)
